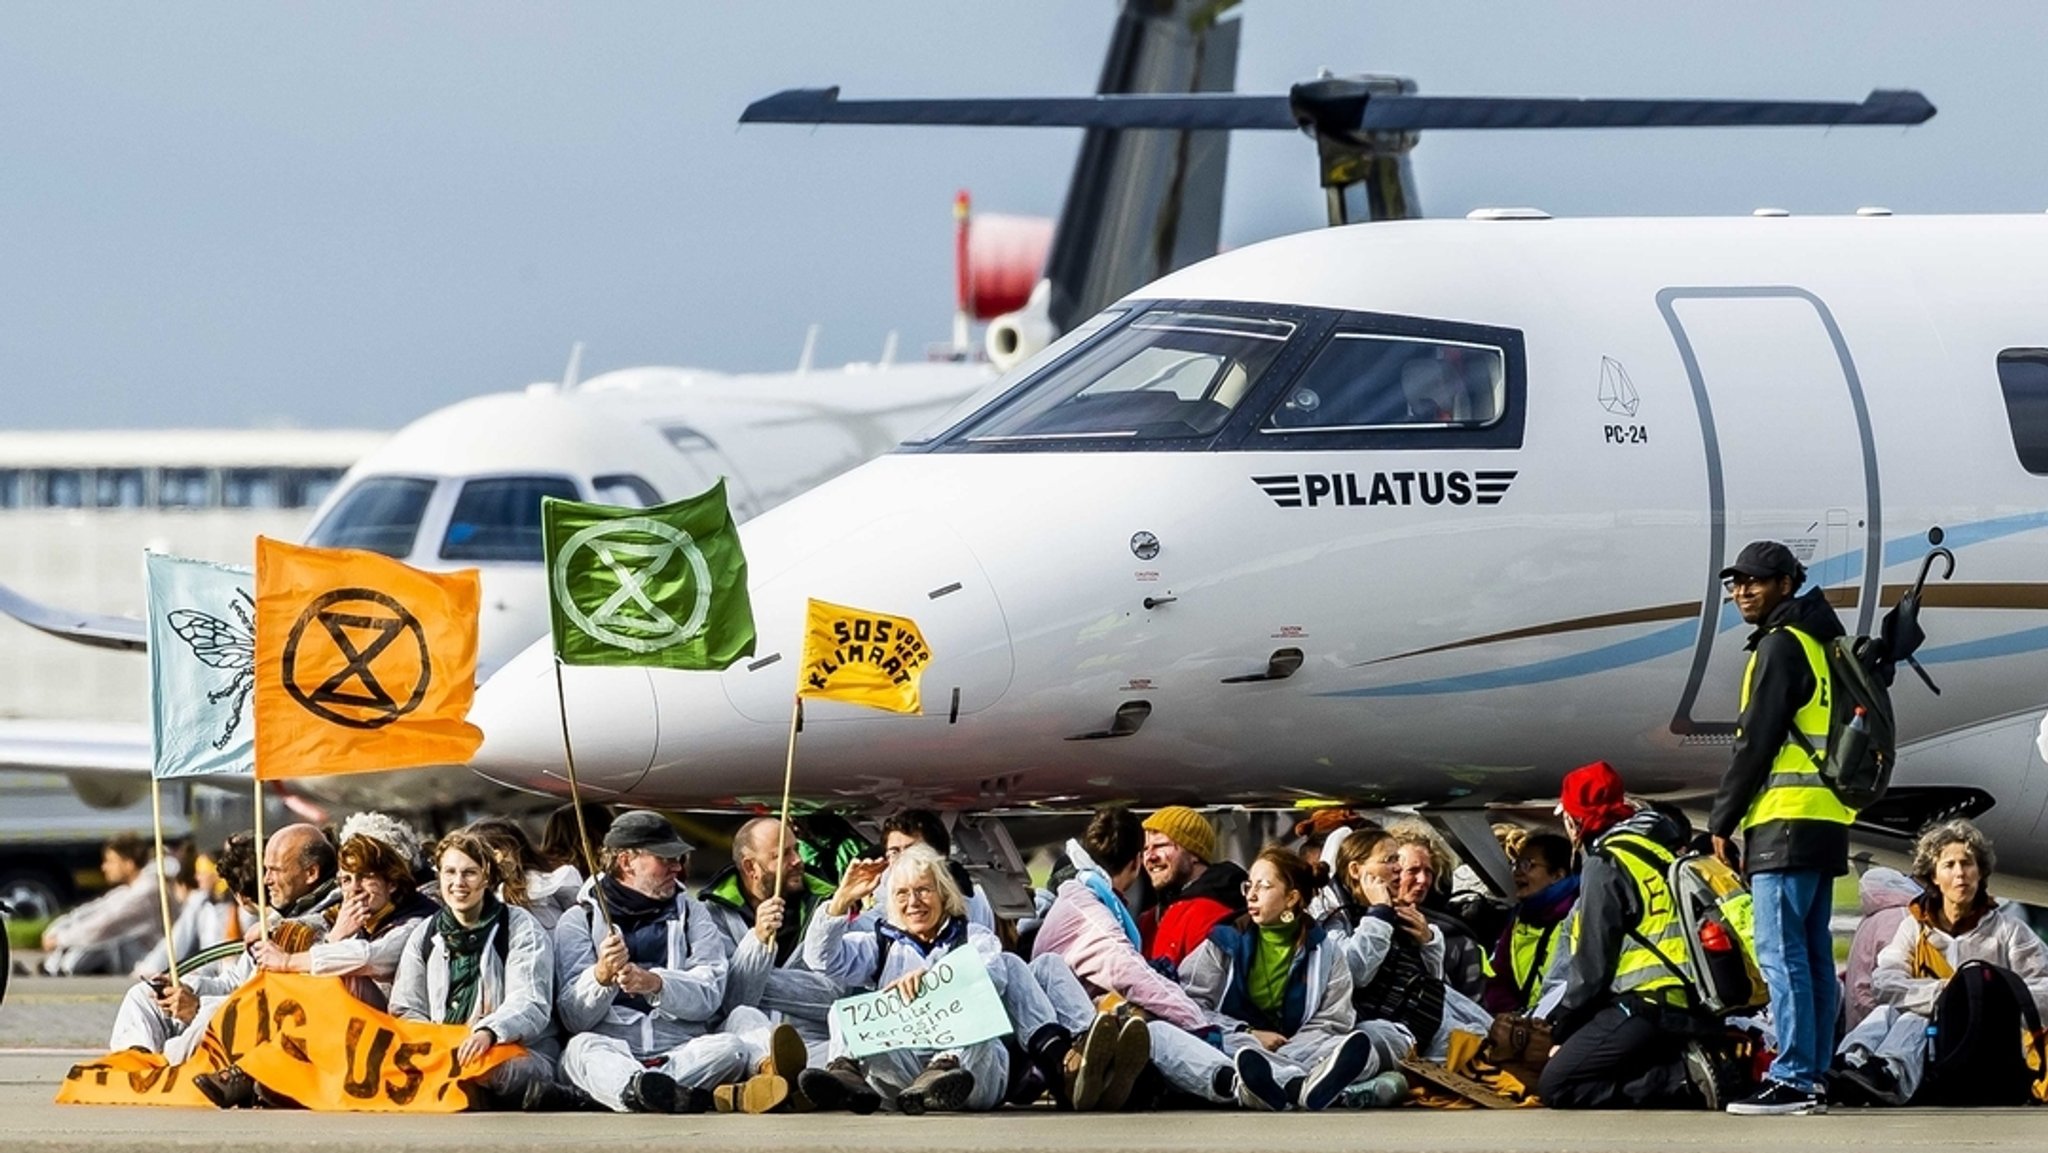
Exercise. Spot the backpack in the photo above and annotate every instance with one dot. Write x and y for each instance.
(1862, 736)
(1987, 1045)
(1714, 909)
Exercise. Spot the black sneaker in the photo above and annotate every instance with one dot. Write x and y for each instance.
(839, 1085)
(1258, 1087)
(1344, 1065)
(230, 1088)
(1779, 1099)
(650, 1092)
(943, 1087)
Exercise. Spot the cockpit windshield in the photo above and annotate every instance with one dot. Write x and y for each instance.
(1166, 375)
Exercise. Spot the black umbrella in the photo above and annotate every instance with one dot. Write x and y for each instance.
(1899, 636)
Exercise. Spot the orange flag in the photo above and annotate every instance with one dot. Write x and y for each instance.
(362, 663)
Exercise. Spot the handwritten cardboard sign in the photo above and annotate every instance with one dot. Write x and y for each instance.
(956, 1005)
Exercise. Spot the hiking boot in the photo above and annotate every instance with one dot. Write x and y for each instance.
(839, 1085)
(551, 1097)
(1779, 1099)
(1345, 1063)
(943, 1087)
(1379, 1092)
(1133, 1052)
(1088, 1064)
(1257, 1086)
(229, 1088)
(756, 1094)
(651, 1092)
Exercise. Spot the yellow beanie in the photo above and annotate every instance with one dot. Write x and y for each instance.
(1186, 828)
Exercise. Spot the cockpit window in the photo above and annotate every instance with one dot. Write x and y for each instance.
(381, 514)
(498, 518)
(1166, 375)
(1032, 365)
(1363, 381)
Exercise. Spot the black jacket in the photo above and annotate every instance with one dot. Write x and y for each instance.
(1783, 682)
(1608, 908)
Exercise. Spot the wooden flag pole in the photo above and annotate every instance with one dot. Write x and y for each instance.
(576, 800)
(796, 721)
(262, 850)
(163, 884)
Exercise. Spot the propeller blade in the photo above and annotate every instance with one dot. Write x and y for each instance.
(1399, 113)
(1197, 111)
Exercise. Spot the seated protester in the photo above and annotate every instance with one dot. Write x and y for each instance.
(1395, 957)
(1954, 922)
(298, 872)
(366, 933)
(562, 847)
(1089, 936)
(113, 931)
(1545, 891)
(1194, 891)
(640, 997)
(925, 920)
(1277, 986)
(529, 882)
(1621, 1028)
(488, 965)
(765, 930)
(1333, 896)
(1883, 895)
(924, 827)
(1426, 866)
(206, 915)
(159, 1017)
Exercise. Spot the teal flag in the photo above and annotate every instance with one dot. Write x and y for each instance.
(660, 586)
(202, 666)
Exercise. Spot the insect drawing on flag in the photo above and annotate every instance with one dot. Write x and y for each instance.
(223, 645)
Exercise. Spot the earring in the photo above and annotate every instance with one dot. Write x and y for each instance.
(1287, 918)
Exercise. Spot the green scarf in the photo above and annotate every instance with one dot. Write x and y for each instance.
(465, 949)
(1272, 961)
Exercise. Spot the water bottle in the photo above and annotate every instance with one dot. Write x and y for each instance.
(1847, 754)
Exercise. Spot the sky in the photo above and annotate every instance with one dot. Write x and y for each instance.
(295, 214)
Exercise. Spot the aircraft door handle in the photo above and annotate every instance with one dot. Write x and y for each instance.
(1129, 716)
(1282, 664)
(1155, 602)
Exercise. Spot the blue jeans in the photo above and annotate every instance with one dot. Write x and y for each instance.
(1797, 954)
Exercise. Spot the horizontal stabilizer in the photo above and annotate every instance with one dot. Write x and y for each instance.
(97, 629)
(1193, 110)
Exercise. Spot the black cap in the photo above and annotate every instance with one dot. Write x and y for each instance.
(646, 832)
(1765, 559)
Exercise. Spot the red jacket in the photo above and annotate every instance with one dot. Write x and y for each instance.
(1172, 930)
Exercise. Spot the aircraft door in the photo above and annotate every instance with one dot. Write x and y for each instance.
(1789, 457)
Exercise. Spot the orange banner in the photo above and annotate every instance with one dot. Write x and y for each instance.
(306, 1038)
(362, 663)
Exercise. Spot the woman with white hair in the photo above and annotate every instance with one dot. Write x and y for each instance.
(926, 919)
(381, 902)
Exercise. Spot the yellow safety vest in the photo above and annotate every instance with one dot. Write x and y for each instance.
(1652, 956)
(1794, 790)
(1530, 948)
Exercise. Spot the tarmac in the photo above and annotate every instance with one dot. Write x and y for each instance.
(47, 1024)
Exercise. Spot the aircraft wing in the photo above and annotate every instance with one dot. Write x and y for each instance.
(75, 746)
(97, 629)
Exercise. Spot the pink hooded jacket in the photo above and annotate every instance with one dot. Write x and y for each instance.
(1885, 893)
(1092, 941)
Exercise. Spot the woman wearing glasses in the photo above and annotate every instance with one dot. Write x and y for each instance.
(924, 920)
(1275, 985)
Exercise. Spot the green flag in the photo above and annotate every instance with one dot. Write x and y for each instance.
(647, 586)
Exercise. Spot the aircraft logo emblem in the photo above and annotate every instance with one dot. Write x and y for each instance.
(629, 618)
(383, 652)
(220, 644)
(1617, 393)
(1351, 489)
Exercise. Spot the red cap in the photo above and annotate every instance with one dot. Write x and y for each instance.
(1592, 796)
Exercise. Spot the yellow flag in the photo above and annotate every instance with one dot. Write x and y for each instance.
(865, 658)
(362, 663)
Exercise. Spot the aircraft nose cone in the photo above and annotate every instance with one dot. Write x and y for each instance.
(612, 725)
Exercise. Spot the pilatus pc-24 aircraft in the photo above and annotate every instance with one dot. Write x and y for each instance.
(1414, 512)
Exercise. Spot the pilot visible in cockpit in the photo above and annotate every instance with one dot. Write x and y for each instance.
(1435, 394)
